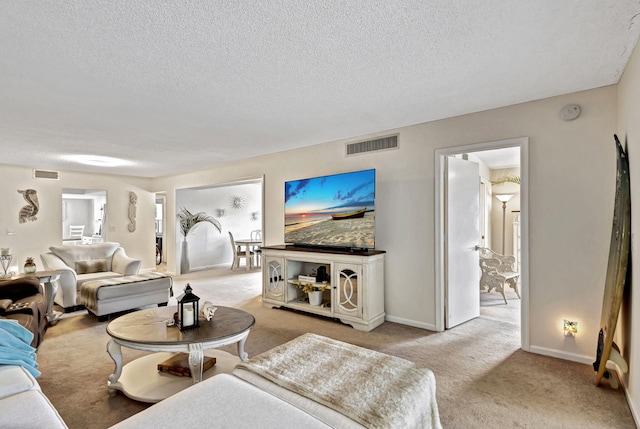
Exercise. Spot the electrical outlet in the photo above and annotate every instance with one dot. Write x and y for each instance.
(11, 231)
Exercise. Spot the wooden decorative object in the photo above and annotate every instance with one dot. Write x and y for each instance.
(133, 201)
(29, 211)
(178, 364)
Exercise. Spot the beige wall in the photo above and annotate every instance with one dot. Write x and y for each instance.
(34, 238)
(629, 133)
(572, 176)
(571, 188)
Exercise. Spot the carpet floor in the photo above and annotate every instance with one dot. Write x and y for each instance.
(484, 379)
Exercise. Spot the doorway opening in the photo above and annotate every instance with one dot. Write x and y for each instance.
(513, 215)
(237, 206)
(84, 216)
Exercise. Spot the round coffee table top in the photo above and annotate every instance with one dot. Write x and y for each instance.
(150, 326)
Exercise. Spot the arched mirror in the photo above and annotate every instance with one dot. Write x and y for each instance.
(84, 216)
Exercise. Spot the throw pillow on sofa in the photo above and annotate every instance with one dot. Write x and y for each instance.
(91, 266)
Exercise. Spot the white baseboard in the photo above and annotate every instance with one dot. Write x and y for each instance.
(562, 355)
(409, 322)
(634, 411)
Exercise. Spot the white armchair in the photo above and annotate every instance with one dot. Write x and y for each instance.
(80, 264)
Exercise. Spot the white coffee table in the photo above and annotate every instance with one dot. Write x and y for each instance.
(147, 330)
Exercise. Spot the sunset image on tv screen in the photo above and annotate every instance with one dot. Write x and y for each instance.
(336, 210)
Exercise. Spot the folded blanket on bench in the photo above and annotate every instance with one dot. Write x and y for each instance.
(374, 389)
(89, 290)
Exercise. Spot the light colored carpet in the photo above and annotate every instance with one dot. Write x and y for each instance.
(492, 307)
(483, 378)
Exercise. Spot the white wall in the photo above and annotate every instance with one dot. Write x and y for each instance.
(78, 212)
(208, 247)
(34, 238)
(629, 134)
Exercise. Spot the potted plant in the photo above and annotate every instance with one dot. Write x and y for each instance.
(313, 290)
(187, 221)
(29, 266)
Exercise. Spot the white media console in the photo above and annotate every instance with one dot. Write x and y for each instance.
(355, 292)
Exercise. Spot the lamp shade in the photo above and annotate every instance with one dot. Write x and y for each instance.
(504, 197)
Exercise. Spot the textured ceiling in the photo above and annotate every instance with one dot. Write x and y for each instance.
(183, 84)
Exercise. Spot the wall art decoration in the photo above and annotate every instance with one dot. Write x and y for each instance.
(133, 201)
(254, 216)
(237, 202)
(221, 212)
(29, 211)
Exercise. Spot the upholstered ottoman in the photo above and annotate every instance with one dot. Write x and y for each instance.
(105, 296)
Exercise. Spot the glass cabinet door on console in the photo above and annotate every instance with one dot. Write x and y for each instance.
(274, 279)
(348, 302)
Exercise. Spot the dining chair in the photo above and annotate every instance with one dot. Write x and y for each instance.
(238, 253)
(76, 231)
(256, 235)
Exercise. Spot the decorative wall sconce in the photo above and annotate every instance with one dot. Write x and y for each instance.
(570, 328)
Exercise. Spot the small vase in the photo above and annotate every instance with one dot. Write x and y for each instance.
(30, 269)
(315, 297)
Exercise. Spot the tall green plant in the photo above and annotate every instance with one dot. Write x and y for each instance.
(188, 220)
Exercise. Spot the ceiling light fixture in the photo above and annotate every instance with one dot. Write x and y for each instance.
(97, 160)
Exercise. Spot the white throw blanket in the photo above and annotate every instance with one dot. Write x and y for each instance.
(374, 389)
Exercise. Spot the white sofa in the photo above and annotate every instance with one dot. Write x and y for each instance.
(22, 403)
(388, 392)
(84, 263)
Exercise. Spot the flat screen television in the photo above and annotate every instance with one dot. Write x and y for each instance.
(336, 211)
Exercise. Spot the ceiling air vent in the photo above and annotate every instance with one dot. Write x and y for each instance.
(46, 174)
(384, 143)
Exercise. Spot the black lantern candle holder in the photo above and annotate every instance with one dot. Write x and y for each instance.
(188, 310)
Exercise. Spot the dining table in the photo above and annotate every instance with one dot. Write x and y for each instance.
(249, 244)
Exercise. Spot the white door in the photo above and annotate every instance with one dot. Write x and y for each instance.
(462, 236)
